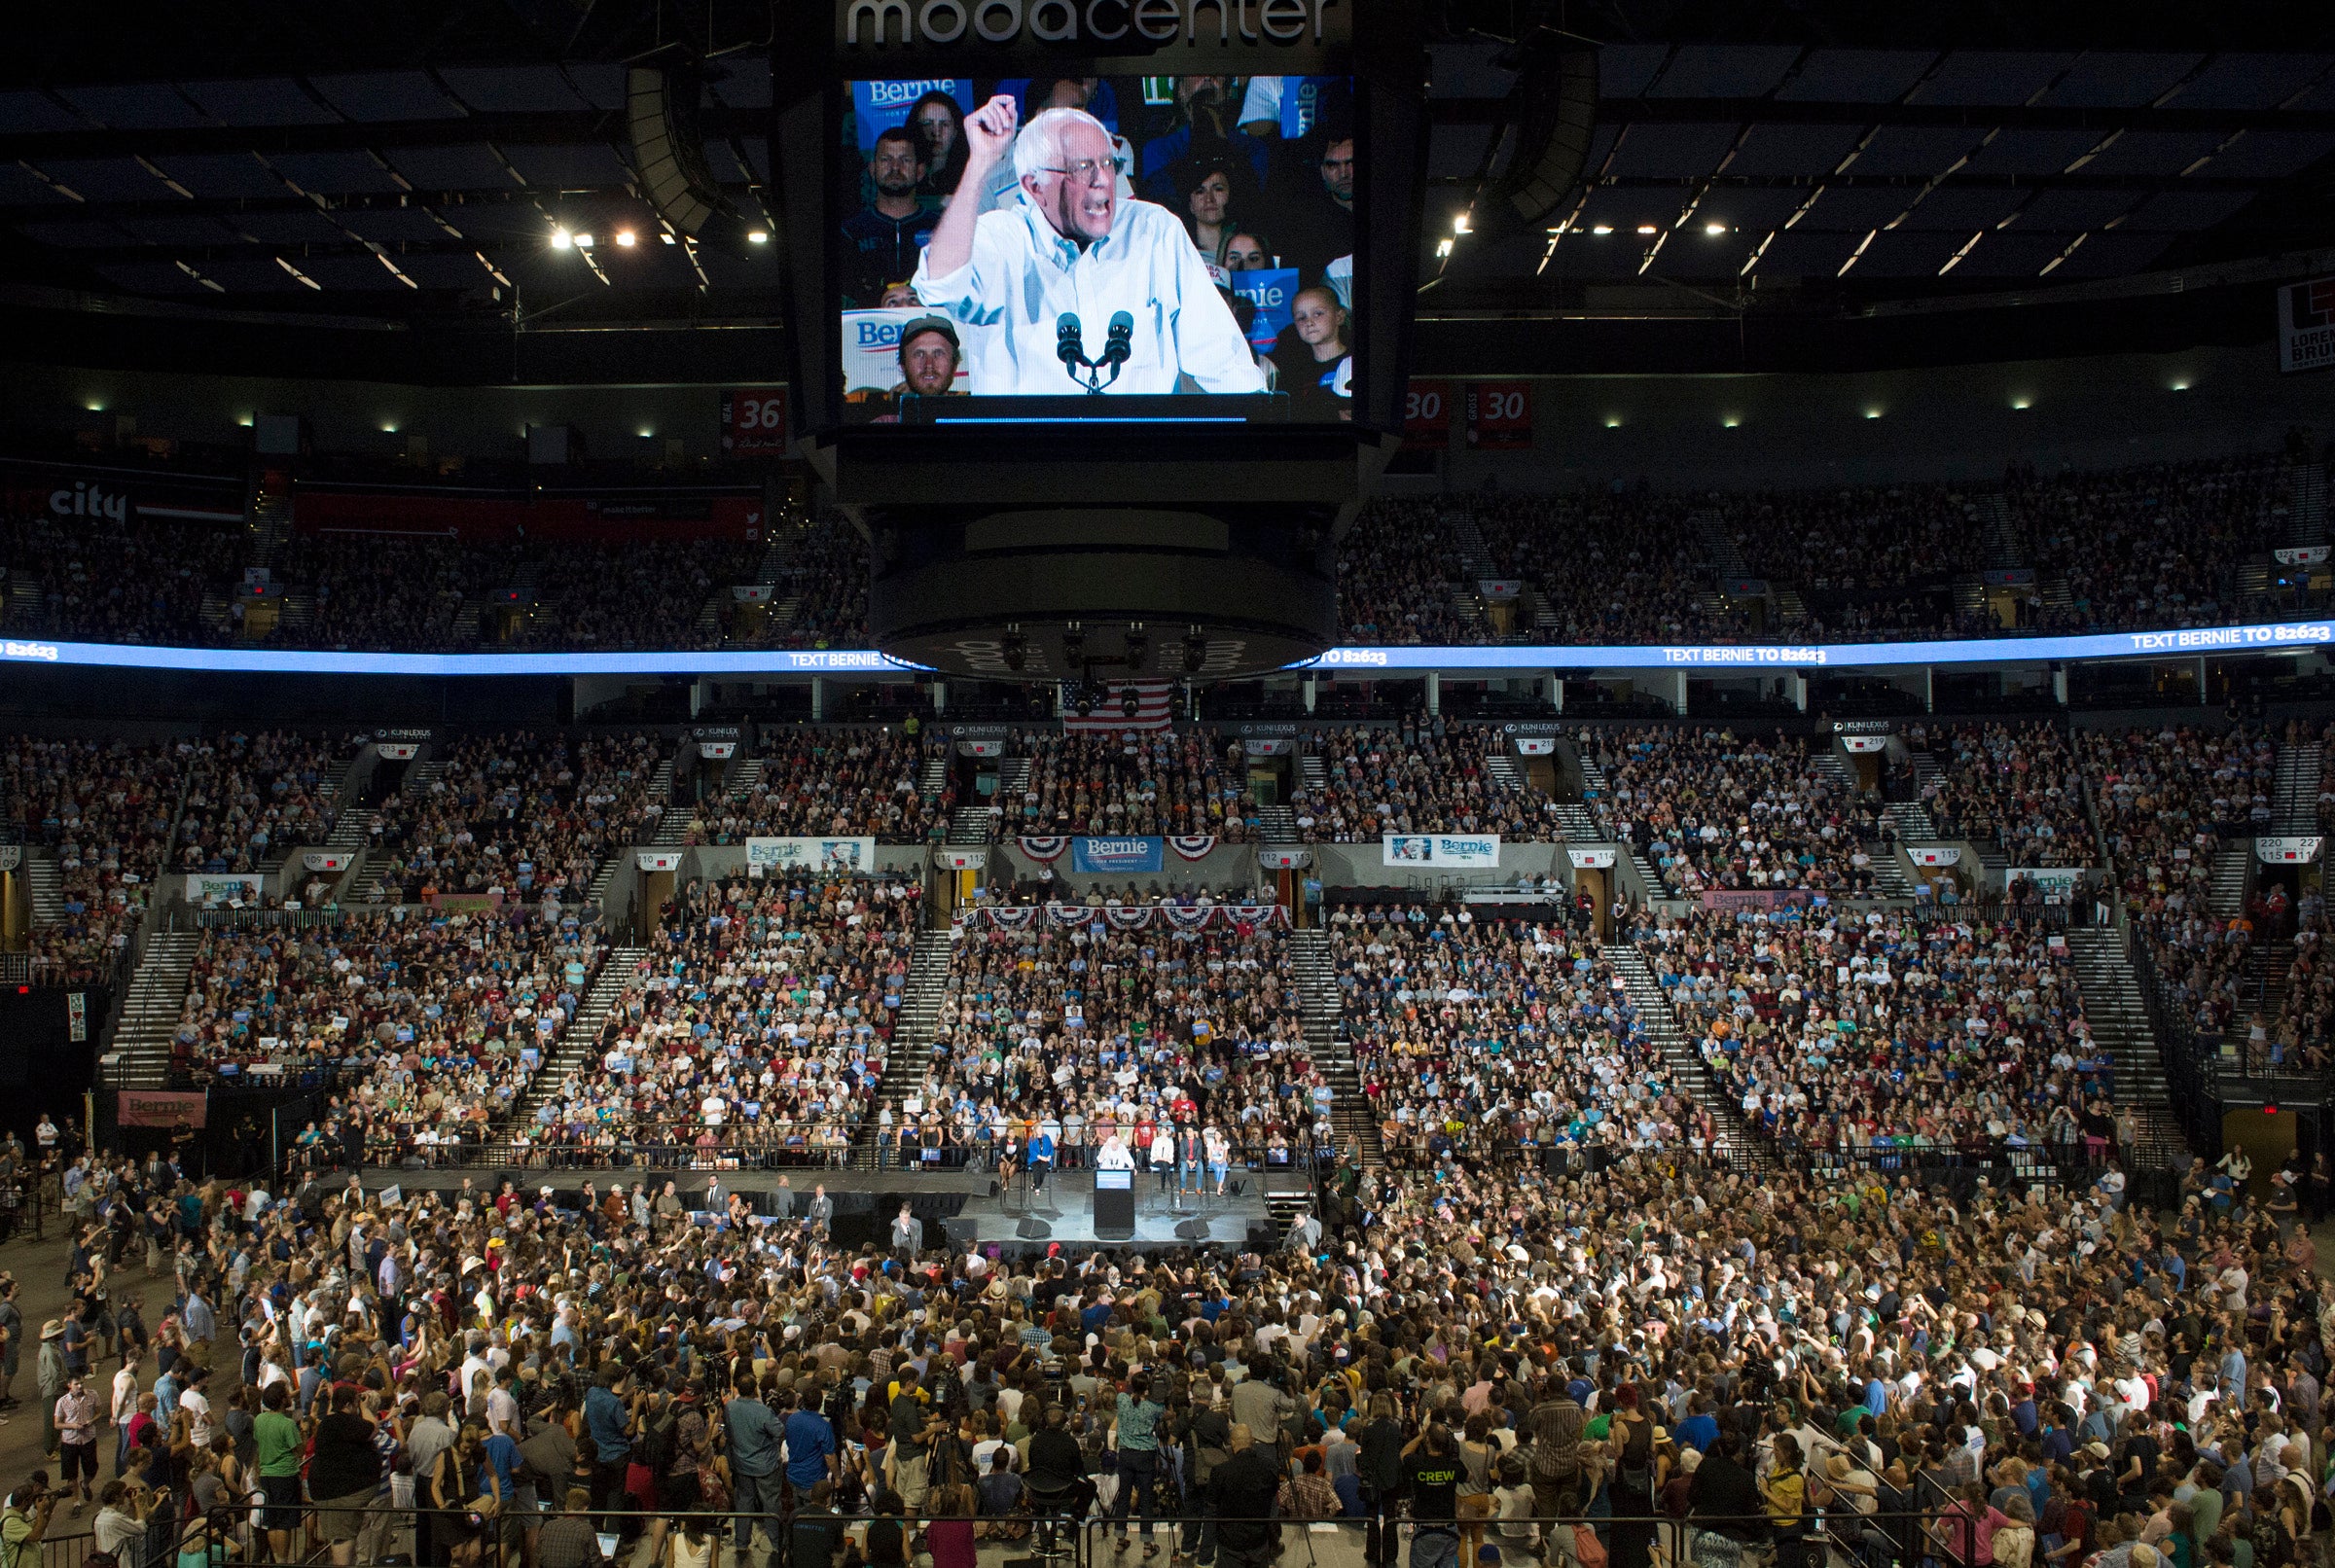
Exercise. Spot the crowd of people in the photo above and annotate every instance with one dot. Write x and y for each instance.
(1657, 1362)
(1611, 565)
(383, 590)
(135, 579)
(437, 1021)
(2017, 786)
(2166, 796)
(757, 1026)
(1714, 811)
(1482, 1040)
(1399, 577)
(1864, 537)
(253, 796)
(106, 810)
(646, 594)
(1422, 775)
(520, 817)
(1889, 1030)
(1162, 782)
(1087, 1033)
(819, 780)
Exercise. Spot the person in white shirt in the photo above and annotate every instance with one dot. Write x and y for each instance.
(1075, 252)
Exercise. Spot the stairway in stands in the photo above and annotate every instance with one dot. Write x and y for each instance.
(2233, 866)
(2307, 504)
(1287, 1200)
(2294, 806)
(1594, 787)
(415, 786)
(2110, 993)
(971, 824)
(1322, 1007)
(44, 879)
(1736, 1141)
(1915, 825)
(908, 1055)
(672, 823)
(2006, 549)
(1889, 876)
(934, 780)
(149, 1013)
(580, 1041)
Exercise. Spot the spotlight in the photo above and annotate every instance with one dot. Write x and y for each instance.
(96, 407)
(626, 237)
(757, 236)
(1714, 227)
(1732, 420)
(666, 237)
(1074, 645)
(1016, 648)
(1138, 647)
(562, 240)
(1130, 701)
(1196, 650)
(1083, 705)
(1600, 229)
(584, 241)
(1872, 413)
(2021, 402)
(1613, 421)
(1645, 229)
(2180, 386)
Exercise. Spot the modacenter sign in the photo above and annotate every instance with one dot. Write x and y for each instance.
(1135, 27)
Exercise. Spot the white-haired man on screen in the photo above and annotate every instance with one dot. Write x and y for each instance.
(1073, 246)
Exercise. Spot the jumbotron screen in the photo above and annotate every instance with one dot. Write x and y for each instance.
(1089, 240)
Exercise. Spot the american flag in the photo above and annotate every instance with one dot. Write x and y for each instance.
(1155, 709)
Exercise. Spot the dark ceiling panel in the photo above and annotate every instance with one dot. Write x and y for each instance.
(377, 97)
(290, 228)
(732, 269)
(513, 89)
(2271, 155)
(394, 225)
(1623, 207)
(1963, 208)
(1853, 209)
(1724, 71)
(2112, 254)
(2032, 150)
(444, 270)
(602, 86)
(2186, 209)
(2008, 253)
(225, 176)
(498, 222)
(1914, 149)
(1454, 152)
(1751, 210)
(592, 166)
(1789, 150)
(1467, 71)
(2157, 154)
(1856, 75)
(757, 153)
(76, 234)
(2119, 80)
(1989, 76)
(2074, 209)
(190, 232)
(1659, 150)
(335, 173)
(249, 274)
(1615, 256)
(747, 84)
(452, 168)
(135, 106)
(150, 277)
(20, 188)
(352, 274)
(1625, 69)
(1908, 253)
(29, 113)
(106, 179)
(2246, 80)
(1804, 252)
(258, 101)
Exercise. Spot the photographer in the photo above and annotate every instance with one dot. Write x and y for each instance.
(25, 1519)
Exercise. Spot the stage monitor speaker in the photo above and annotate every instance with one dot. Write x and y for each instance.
(1236, 1187)
(993, 1188)
(1033, 1229)
(1193, 1229)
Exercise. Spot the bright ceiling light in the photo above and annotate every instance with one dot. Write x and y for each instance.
(562, 240)
(1443, 248)
(1459, 224)
(1732, 420)
(648, 435)
(96, 407)
(1600, 229)
(757, 236)
(1645, 227)
(1714, 227)
(1613, 421)
(626, 237)
(2180, 386)
(666, 237)
(584, 241)
(2021, 402)
(1872, 413)
(388, 430)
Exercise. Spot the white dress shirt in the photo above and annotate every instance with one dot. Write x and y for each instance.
(1022, 276)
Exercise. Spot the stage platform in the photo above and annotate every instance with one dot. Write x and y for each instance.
(965, 1206)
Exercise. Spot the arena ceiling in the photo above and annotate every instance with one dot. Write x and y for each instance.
(409, 168)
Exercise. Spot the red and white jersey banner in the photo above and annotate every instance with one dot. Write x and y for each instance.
(1499, 416)
(1155, 709)
(1427, 415)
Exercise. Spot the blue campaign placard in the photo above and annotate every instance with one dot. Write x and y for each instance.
(877, 106)
(1273, 290)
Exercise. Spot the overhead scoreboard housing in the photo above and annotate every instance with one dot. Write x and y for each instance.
(1104, 404)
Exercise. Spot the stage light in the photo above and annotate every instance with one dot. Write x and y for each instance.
(1714, 227)
(2021, 402)
(2180, 386)
(96, 407)
(1074, 645)
(245, 421)
(757, 236)
(1130, 701)
(562, 240)
(1872, 413)
(1196, 650)
(626, 237)
(647, 435)
(1085, 703)
(1016, 649)
(1138, 647)
(1645, 229)
(1732, 420)
(388, 430)
(1600, 229)
(584, 241)
(1613, 421)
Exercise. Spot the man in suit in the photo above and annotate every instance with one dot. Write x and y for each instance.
(908, 1235)
(818, 1216)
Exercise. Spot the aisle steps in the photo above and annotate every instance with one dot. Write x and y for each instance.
(2110, 993)
(1322, 1008)
(149, 1012)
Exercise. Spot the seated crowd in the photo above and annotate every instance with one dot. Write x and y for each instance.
(387, 592)
(1480, 1039)
(817, 781)
(1611, 565)
(250, 796)
(644, 595)
(1865, 537)
(1714, 812)
(1885, 1032)
(138, 580)
(1398, 570)
(2015, 786)
(1165, 781)
(1089, 1032)
(106, 808)
(441, 1019)
(1421, 776)
(757, 1025)
(522, 815)
(2166, 796)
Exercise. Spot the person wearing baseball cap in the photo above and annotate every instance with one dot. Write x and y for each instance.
(929, 355)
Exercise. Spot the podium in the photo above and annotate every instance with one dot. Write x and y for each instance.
(1115, 1205)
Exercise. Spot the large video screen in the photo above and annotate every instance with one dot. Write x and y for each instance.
(1089, 246)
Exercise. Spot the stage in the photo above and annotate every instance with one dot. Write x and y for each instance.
(964, 1206)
